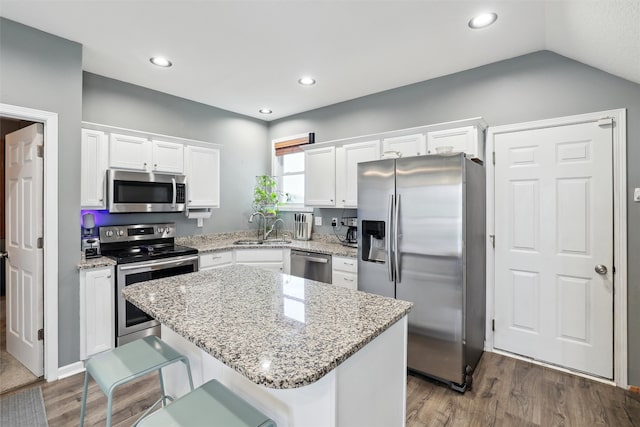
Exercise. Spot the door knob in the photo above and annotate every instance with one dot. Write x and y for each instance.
(601, 269)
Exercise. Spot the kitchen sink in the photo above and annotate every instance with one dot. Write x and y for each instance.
(260, 242)
(248, 242)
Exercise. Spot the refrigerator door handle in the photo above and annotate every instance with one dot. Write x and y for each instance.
(388, 239)
(396, 244)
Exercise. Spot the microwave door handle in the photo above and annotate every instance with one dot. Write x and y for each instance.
(173, 183)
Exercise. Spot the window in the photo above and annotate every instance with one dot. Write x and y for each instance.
(288, 167)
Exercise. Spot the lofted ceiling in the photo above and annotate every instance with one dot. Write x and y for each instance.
(245, 55)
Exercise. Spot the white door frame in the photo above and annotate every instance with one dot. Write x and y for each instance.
(619, 231)
(50, 223)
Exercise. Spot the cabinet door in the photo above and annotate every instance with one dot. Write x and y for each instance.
(271, 266)
(167, 157)
(320, 177)
(129, 152)
(202, 167)
(354, 154)
(404, 146)
(97, 312)
(460, 140)
(93, 167)
(346, 280)
(209, 261)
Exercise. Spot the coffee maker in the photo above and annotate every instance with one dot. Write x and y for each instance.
(90, 243)
(352, 231)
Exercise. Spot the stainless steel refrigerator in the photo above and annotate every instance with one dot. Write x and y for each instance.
(421, 228)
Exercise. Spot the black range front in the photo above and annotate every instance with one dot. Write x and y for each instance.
(143, 252)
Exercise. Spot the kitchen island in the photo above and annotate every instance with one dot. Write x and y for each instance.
(305, 353)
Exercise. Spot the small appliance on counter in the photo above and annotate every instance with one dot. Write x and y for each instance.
(90, 245)
(302, 226)
(351, 238)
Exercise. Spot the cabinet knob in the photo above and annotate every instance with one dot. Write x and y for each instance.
(331, 200)
(190, 201)
(145, 165)
(102, 200)
(343, 200)
(155, 166)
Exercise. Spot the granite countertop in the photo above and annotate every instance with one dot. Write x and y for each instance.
(102, 261)
(277, 330)
(224, 241)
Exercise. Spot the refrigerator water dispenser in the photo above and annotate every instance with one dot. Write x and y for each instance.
(373, 241)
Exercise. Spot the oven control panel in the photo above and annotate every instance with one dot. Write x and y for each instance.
(129, 233)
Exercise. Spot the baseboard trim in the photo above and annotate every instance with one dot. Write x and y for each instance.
(71, 369)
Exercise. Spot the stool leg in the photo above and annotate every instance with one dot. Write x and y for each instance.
(84, 398)
(164, 395)
(188, 366)
(109, 407)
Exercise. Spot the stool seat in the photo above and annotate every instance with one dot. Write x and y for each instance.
(130, 361)
(211, 404)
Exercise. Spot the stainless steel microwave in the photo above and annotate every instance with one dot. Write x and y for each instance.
(145, 192)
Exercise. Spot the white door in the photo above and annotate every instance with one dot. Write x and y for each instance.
(554, 239)
(24, 174)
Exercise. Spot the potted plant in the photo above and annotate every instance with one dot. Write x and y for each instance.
(266, 197)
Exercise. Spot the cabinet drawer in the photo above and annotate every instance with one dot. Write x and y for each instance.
(259, 255)
(349, 265)
(271, 266)
(346, 280)
(215, 259)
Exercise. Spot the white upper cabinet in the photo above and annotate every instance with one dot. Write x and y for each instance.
(93, 166)
(202, 167)
(167, 157)
(140, 154)
(320, 177)
(468, 139)
(347, 159)
(404, 146)
(129, 152)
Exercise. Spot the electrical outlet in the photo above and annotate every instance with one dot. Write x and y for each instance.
(334, 222)
(319, 221)
(636, 195)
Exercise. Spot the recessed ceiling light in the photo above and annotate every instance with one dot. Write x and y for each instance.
(160, 61)
(483, 20)
(307, 81)
(265, 111)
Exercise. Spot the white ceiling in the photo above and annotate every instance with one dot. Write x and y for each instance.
(244, 55)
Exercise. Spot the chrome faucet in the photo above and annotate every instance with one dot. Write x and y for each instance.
(264, 223)
(273, 226)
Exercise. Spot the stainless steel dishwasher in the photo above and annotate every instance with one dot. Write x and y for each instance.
(311, 265)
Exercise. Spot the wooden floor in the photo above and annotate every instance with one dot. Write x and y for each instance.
(506, 392)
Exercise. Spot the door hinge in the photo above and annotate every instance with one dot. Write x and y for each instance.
(605, 121)
(493, 324)
(494, 157)
(40, 334)
(493, 240)
(40, 243)
(40, 151)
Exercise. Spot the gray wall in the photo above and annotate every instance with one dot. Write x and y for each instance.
(243, 156)
(531, 87)
(42, 71)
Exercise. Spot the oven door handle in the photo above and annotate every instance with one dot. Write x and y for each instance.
(159, 263)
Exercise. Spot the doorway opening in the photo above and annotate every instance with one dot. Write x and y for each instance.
(13, 373)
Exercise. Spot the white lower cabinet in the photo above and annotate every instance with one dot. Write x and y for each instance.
(344, 272)
(209, 261)
(97, 311)
(268, 259)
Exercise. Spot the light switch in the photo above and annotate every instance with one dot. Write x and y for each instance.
(319, 221)
(636, 195)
